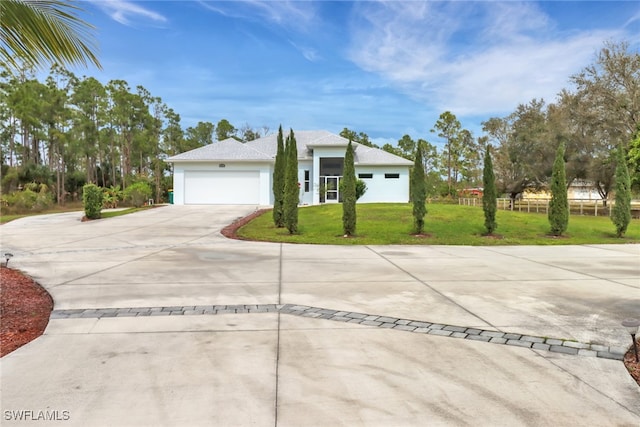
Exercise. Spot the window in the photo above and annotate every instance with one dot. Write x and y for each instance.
(365, 175)
(306, 181)
(392, 175)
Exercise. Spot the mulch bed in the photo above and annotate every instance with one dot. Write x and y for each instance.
(26, 306)
(630, 363)
(24, 310)
(230, 231)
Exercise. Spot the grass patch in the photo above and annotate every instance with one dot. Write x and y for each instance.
(113, 214)
(383, 224)
(69, 207)
(75, 207)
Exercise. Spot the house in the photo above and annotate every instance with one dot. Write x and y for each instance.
(231, 172)
(578, 190)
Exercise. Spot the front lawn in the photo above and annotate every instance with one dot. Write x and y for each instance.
(381, 224)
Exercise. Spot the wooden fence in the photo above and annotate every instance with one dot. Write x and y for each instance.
(576, 206)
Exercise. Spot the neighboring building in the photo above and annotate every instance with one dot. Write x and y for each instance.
(231, 172)
(578, 190)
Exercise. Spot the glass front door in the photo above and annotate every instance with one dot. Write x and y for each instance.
(330, 189)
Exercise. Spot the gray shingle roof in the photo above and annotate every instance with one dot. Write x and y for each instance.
(228, 149)
(371, 156)
(264, 149)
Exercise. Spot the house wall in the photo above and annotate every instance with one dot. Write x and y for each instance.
(385, 190)
(264, 180)
(306, 198)
(379, 188)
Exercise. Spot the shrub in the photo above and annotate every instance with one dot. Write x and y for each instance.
(34, 198)
(111, 197)
(278, 182)
(349, 198)
(489, 194)
(361, 188)
(137, 194)
(92, 201)
(291, 188)
(559, 205)
(418, 192)
(621, 214)
(10, 180)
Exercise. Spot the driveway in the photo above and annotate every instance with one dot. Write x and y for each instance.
(160, 320)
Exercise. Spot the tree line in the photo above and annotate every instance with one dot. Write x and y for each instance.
(596, 117)
(69, 130)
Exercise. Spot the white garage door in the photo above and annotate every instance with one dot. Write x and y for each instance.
(222, 188)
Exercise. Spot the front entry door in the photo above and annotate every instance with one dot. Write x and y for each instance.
(330, 189)
(333, 189)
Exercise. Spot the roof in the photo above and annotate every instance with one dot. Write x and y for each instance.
(264, 149)
(228, 149)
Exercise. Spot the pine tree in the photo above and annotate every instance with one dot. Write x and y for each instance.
(559, 204)
(489, 194)
(348, 188)
(278, 182)
(621, 215)
(418, 192)
(291, 188)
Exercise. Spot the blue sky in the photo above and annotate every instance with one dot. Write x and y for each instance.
(386, 68)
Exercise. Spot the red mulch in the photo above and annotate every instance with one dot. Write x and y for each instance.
(630, 363)
(24, 310)
(230, 231)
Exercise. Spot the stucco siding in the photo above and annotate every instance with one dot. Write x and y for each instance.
(381, 188)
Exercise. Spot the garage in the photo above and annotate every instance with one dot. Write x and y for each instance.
(227, 187)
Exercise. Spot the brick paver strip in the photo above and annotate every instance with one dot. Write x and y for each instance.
(539, 346)
(372, 320)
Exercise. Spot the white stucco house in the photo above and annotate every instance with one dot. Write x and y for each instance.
(231, 172)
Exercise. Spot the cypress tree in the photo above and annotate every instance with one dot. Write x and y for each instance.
(489, 194)
(559, 205)
(621, 214)
(348, 188)
(278, 182)
(418, 192)
(291, 189)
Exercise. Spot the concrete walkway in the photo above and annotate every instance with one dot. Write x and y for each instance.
(159, 320)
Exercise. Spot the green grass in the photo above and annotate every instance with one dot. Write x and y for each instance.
(71, 207)
(113, 214)
(381, 224)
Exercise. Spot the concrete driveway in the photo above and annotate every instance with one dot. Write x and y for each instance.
(159, 320)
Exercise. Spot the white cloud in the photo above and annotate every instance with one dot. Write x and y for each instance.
(297, 15)
(309, 53)
(123, 11)
(472, 58)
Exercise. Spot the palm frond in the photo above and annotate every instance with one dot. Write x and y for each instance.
(42, 32)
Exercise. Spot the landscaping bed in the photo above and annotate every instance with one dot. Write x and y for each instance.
(24, 310)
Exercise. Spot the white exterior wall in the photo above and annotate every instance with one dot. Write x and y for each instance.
(305, 198)
(379, 188)
(385, 190)
(264, 170)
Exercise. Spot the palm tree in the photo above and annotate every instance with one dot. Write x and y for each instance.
(40, 32)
